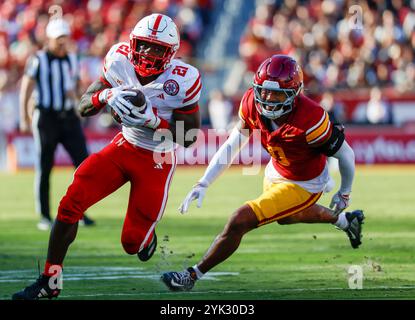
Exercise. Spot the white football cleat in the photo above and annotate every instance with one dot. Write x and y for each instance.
(44, 224)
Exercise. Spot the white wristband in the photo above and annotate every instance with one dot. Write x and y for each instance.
(102, 97)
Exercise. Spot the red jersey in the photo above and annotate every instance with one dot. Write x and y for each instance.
(293, 145)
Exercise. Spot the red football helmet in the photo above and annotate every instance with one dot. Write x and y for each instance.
(279, 73)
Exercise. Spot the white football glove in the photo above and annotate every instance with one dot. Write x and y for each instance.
(114, 97)
(198, 192)
(339, 202)
(142, 119)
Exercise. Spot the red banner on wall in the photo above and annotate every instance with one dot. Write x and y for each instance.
(382, 145)
(372, 145)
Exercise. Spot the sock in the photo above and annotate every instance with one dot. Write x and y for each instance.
(52, 269)
(342, 222)
(199, 273)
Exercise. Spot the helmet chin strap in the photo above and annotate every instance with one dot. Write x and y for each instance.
(145, 72)
(275, 114)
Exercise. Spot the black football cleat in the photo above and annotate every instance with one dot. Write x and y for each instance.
(147, 252)
(38, 290)
(87, 221)
(354, 230)
(180, 281)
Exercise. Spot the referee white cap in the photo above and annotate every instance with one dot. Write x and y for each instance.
(57, 28)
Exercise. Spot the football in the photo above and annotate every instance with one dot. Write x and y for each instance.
(139, 101)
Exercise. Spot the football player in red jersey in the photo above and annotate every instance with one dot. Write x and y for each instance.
(136, 155)
(299, 136)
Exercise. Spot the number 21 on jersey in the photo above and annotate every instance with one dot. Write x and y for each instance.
(180, 71)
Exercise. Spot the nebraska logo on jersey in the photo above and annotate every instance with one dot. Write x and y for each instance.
(171, 87)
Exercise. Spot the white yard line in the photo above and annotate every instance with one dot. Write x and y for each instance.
(97, 273)
(116, 273)
(286, 290)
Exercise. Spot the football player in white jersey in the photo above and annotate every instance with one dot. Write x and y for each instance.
(172, 89)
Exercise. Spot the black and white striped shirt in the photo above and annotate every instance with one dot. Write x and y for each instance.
(54, 77)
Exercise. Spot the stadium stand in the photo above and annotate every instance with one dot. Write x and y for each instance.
(345, 50)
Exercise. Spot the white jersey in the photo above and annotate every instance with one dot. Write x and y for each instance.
(177, 87)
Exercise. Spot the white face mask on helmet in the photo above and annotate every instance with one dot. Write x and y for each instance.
(153, 31)
(274, 110)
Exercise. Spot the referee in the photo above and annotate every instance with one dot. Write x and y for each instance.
(52, 75)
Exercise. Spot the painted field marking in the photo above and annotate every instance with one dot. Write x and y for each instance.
(286, 290)
(114, 273)
(98, 273)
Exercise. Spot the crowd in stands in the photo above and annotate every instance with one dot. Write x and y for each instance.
(340, 45)
(96, 26)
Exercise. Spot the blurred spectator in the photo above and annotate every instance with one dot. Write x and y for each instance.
(334, 109)
(190, 24)
(377, 50)
(220, 110)
(254, 48)
(378, 110)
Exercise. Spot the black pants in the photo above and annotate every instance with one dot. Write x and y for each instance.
(49, 129)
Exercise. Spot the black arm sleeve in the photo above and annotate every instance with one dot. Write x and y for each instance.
(333, 144)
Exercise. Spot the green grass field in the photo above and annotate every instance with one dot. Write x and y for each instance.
(273, 262)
